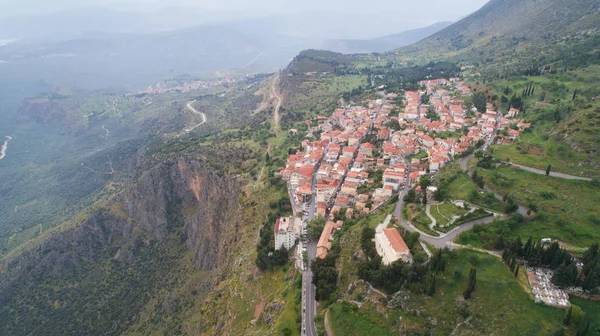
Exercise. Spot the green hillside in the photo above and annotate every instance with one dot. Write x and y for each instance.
(510, 36)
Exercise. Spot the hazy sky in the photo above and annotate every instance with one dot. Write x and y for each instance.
(429, 10)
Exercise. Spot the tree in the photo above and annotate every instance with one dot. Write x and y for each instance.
(567, 319)
(470, 284)
(324, 277)
(431, 290)
(410, 196)
(565, 275)
(315, 226)
(267, 157)
(590, 254)
(480, 102)
(517, 271)
(548, 170)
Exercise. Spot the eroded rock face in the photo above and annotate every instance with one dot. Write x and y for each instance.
(188, 191)
(180, 198)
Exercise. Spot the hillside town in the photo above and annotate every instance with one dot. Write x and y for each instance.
(355, 160)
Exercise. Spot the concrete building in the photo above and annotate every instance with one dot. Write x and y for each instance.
(391, 247)
(287, 232)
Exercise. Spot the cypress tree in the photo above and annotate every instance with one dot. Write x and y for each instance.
(517, 271)
(567, 319)
(590, 254)
(527, 248)
(548, 170)
(470, 284)
(532, 90)
(267, 157)
(517, 247)
(432, 286)
(575, 94)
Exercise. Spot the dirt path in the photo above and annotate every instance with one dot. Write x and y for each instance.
(107, 132)
(259, 308)
(279, 102)
(110, 164)
(193, 110)
(328, 329)
(553, 174)
(4, 147)
(253, 60)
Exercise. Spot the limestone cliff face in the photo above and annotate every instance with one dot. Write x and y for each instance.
(179, 205)
(192, 189)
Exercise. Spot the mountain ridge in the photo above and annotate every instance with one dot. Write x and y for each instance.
(384, 43)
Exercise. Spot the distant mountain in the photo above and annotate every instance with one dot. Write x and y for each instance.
(100, 60)
(503, 31)
(384, 43)
(73, 22)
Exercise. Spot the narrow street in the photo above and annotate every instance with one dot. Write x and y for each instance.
(446, 240)
(308, 288)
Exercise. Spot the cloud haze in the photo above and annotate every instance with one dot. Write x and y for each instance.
(422, 11)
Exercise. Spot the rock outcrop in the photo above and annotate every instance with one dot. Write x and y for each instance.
(179, 205)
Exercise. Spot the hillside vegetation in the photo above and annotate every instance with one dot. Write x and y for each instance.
(510, 36)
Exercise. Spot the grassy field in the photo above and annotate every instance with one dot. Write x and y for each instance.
(422, 222)
(346, 319)
(498, 304)
(444, 212)
(537, 150)
(592, 308)
(463, 187)
(318, 95)
(566, 143)
(497, 307)
(568, 209)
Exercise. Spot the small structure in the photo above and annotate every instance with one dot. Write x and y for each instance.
(390, 246)
(287, 232)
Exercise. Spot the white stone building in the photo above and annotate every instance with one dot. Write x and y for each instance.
(390, 246)
(287, 232)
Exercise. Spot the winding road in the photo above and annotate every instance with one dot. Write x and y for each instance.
(202, 115)
(4, 147)
(553, 174)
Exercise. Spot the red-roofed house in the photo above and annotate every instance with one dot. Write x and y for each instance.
(391, 247)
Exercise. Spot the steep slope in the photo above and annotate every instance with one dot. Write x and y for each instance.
(123, 254)
(515, 34)
(384, 43)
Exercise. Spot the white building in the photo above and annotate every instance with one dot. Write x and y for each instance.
(390, 246)
(287, 232)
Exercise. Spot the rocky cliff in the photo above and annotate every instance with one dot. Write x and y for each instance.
(115, 262)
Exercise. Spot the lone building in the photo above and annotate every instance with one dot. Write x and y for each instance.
(391, 247)
(287, 231)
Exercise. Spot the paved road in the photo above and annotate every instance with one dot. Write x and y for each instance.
(444, 241)
(202, 115)
(309, 290)
(553, 174)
